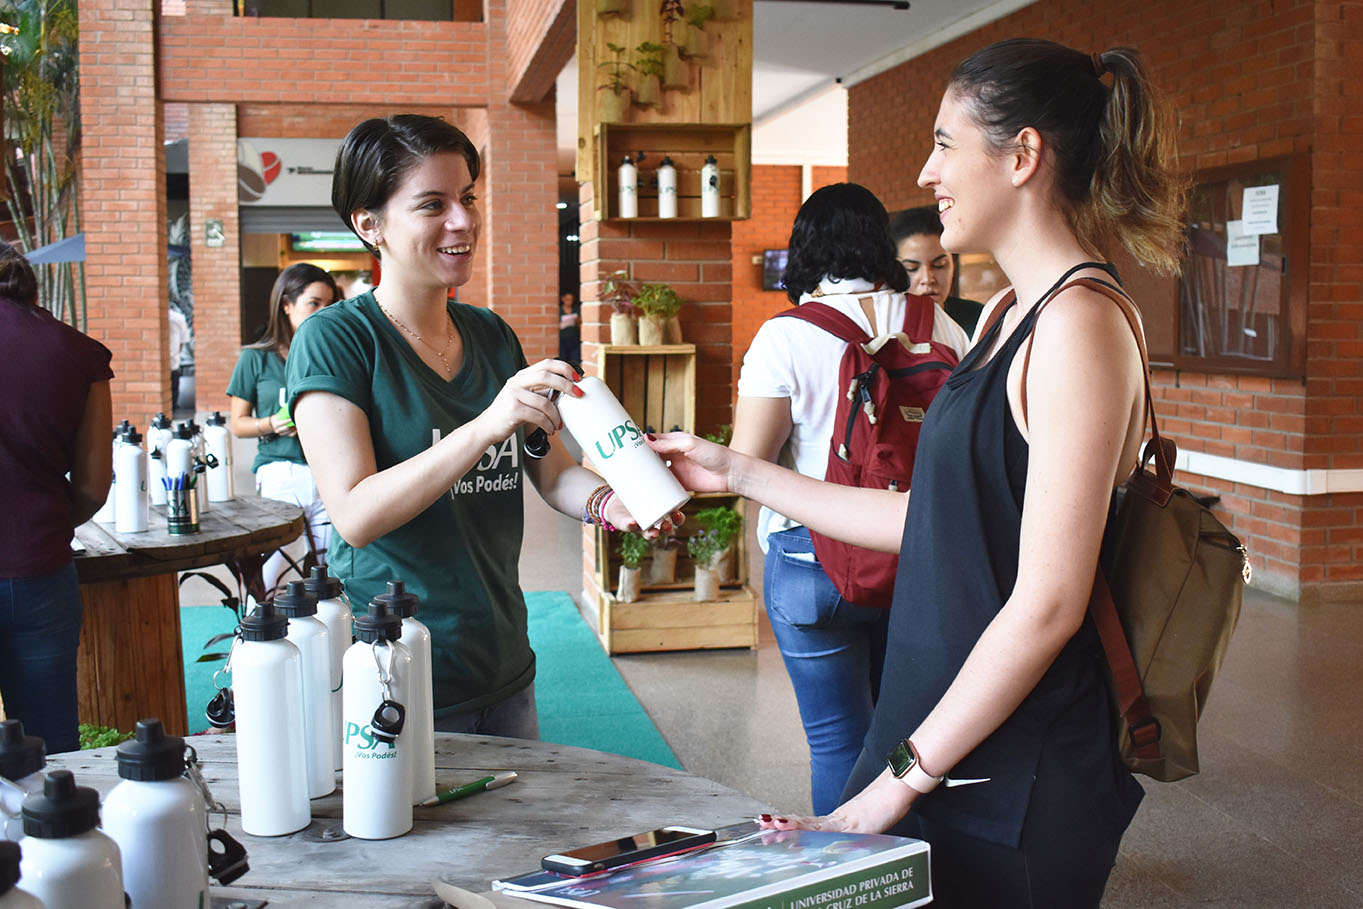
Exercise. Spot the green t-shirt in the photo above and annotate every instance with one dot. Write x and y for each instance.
(460, 555)
(258, 378)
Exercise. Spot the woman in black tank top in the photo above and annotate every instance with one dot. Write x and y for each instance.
(993, 716)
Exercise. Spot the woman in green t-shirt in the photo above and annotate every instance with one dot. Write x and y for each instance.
(256, 390)
(415, 410)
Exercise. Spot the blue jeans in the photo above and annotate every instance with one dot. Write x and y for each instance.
(515, 717)
(39, 635)
(833, 651)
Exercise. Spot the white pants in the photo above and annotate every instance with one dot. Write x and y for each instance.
(286, 481)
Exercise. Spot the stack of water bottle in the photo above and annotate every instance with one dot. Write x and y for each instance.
(167, 473)
(150, 839)
(297, 723)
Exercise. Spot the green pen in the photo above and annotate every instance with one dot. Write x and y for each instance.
(496, 781)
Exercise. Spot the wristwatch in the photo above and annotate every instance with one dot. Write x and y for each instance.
(904, 764)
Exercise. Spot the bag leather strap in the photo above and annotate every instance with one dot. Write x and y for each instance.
(919, 316)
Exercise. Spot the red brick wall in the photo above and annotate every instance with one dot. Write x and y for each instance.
(537, 48)
(123, 206)
(693, 257)
(776, 198)
(217, 270)
(1250, 80)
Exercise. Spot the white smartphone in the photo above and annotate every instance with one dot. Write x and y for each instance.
(627, 850)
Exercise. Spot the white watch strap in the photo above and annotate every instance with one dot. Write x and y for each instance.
(919, 779)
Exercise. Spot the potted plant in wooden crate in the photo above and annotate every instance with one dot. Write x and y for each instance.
(658, 305)
(612, 7)
(711, 546)
(697, 42)
(662, 568)
(615, 103)
(619, 291)
(676, 71)
(633, 550)
(649, 66)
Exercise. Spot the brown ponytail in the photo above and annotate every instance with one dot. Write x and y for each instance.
(1113, 148)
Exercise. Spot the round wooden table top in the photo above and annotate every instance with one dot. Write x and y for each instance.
(563, 797)
(247, 524)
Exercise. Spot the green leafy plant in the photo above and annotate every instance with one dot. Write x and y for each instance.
(615, 69)
(650, 59)
(699, 14)
(633, 549)
(658, 300)
(619, 291)
(92, 736)
(719, 527)
(722, 435)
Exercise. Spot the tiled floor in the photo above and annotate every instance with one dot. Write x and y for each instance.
(1275, 818)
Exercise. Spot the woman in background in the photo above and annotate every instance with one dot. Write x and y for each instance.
(993, 674)
(56, 464)
(932, 270)
(257, 395)
(841, 255)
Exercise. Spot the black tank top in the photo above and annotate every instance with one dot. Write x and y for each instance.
(958, 565)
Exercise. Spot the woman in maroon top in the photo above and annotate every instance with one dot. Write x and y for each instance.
(55, 469)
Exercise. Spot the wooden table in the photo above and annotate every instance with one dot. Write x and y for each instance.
(130, 664)
(563, 797)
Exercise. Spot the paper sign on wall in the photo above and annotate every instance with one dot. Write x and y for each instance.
(1242, 248)
(1260, 208)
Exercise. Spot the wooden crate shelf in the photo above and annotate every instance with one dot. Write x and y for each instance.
(687, 144)
(674, 621)
(655, 384)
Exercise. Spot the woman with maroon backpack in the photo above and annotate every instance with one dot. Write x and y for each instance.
(993, 737)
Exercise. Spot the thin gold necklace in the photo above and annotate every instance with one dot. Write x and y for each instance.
(449, 335)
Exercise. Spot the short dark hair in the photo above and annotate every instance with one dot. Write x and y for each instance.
(913, 221)
(377, 154)
(290, 284)
(843, 231)
(17, 281)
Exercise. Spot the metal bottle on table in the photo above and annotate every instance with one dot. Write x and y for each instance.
(159, 434)
(11, 895)
(67, 861)
(667, 189)
(313, 640)
(22, 758)
(420, 709)
(132, 506)
(158, 818)
(108, 511)
(202, 461)
(334, 611)
(709, 188)
(267, 688)
(377, 774)
(218, 442)
(628, 176)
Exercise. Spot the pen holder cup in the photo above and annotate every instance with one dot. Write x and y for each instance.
(182, 511)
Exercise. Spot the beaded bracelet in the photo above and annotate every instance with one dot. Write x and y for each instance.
(593, 512)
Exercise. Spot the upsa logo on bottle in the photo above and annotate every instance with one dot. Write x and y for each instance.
(617, 437)
(365, 741)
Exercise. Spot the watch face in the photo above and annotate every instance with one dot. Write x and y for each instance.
(900, 758)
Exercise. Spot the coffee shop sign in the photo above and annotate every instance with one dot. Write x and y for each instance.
(285, 171)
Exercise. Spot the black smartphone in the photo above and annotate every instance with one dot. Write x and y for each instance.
(627, 850)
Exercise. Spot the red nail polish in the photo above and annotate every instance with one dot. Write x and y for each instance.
(578, 392)
(650, 436)
(781, 820)
(765, 818)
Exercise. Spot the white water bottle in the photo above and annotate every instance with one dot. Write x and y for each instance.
(420, 732)
(109, 510)
(196, 436)
(159, 821)
(709, 188)
(219, 456)
(377, 773)
(334, 610)
(180, 456)
(616, 446)
(667, 189)
(67, 862)
(21, 775)
(629, 188)
(159, 435)
(11, 897)
(267, 687)
(132, 507)
(310, 635)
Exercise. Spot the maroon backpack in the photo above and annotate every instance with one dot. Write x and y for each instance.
(886, 391)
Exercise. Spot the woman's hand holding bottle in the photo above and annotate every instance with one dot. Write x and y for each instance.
(524, 400)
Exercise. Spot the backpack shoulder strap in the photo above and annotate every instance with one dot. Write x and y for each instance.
(920, 316)
(829, 319)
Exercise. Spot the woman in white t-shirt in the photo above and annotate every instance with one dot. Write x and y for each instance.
(840, 253)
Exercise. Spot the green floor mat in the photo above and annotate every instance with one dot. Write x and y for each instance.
(582, 699)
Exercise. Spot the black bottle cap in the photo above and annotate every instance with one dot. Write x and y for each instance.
(63, 809)
(628, 160)
(710, 159)
(160, 421)
(399, 600)
(10, 854)
(265, 623)
(380, 623)
(151, 755)
(216, 419)
(185, 430)
(667, 161)
(296, 601)
(20, 754)
(132, 436)
(322, 585)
